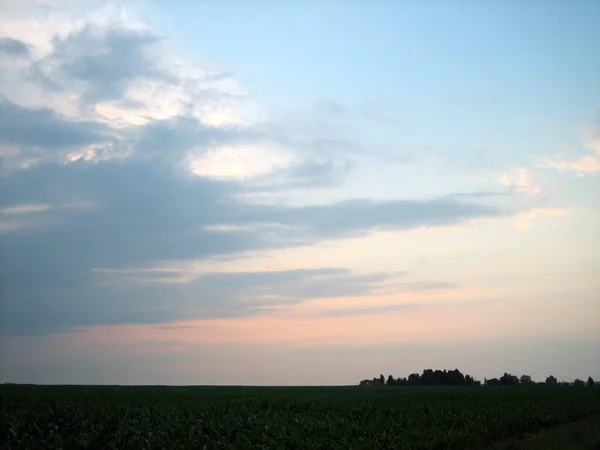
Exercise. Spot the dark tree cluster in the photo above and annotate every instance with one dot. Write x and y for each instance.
(454, 377)
(429, 377)
(511, 380)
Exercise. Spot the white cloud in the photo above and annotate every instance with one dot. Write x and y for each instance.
(62, 39)
(24, 209)
(586, 164)
(67, 40)
(242, 161)
(521, 180)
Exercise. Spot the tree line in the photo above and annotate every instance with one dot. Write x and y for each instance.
(429, 377)
(511, 380)
(455, 377)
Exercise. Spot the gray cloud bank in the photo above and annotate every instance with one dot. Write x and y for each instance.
(144, 206)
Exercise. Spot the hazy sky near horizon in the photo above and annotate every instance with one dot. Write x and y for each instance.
(274, 193)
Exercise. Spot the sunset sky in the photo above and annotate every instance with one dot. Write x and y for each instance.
(298, 193)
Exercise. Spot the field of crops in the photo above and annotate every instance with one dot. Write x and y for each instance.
(76, 417)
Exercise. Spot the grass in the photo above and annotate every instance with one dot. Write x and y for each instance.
(159, 417)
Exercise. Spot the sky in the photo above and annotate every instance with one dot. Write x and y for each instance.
(298, 193)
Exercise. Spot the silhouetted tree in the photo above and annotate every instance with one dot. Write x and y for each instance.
(455, 378)
(526, 379)
(492, 382)
(551, 380)
(578, 383)
(470, 381)
(414, 379)
(402, 382)
(508, 380)
(429, 377)
(590, 382)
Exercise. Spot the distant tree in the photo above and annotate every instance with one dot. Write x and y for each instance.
(470, 381)
(428, 377)
(492, 382)
(590, 382)
(508, 380)
(455, 378)
(401, 382)
(578, 383)
(551, 380)
(526, 379)
(440, 377)
(414, 379)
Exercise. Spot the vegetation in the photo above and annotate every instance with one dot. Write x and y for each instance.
(580, 435)
(157, 417)
(428, 378)
(454, 377)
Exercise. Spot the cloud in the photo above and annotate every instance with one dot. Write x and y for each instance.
(24, 209)
(211, 295)
(367, 311)
(115, 179)
(107, 60)
(587, 164)
(45, 128)
(293, 286)
(309, 173)
(352, 217)
(102, 64)
(145, 210)
(346, 326)
(527, 219)
(13, 47)
(481, 194)
(139, 212)
(521, 180)
(243, 161)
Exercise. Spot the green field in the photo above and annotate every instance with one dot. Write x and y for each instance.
(156, 417)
